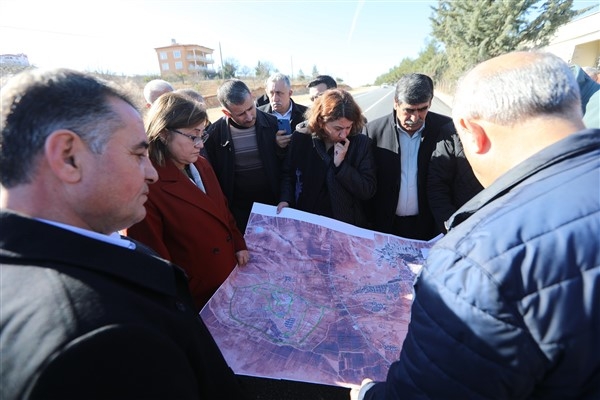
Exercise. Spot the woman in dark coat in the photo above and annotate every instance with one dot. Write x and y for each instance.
(329, 169)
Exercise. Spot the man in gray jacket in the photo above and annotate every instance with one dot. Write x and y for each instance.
(508, 303)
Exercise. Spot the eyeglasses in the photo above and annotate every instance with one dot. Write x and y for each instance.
(196, 139)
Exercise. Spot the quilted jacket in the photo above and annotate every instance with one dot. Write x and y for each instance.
(508, 303)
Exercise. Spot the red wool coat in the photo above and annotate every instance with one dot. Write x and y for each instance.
(192, 229)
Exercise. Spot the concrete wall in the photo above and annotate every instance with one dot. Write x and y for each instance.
(578, 42)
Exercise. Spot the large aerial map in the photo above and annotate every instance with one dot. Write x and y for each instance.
(320, 301)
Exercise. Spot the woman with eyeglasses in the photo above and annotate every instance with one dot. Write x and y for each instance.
(329, 169)
(187, 218)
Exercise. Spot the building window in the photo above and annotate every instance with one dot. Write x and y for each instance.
(178, 65)
(165, 66)
(163, 55)
(176, 54)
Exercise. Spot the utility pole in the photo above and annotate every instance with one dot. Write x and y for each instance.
(222, 69)
(292, 62)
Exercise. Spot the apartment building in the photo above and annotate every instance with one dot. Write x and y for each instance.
(187, 59)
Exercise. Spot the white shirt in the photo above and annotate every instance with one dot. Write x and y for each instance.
(113, 238)
(408, 198)
(286, 115)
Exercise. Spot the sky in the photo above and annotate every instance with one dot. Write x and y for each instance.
(356, 41)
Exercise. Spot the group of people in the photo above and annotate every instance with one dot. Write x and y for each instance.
(370, 174)
(506, 305)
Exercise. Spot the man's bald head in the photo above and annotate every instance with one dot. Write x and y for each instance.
(510, 88)
(510, 107)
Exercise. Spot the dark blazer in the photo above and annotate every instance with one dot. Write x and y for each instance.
(192, 229)
(451, 181)
(309, 168)
(384, 135)
(221, 153)
(85, 319)
(262, 100)
(298, 111)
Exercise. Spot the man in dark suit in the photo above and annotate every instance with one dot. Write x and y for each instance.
(84, 312)
(404, 141)
(281, 105)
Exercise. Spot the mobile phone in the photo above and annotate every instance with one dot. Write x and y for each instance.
(284, 125)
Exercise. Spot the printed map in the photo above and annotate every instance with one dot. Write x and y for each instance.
(320, 301)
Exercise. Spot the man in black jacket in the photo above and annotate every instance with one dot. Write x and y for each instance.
(319, 84)
(246, 149)
(85, 313)
(404, 141)
(451, 181)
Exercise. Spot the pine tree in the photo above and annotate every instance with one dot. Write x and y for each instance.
(473, 31)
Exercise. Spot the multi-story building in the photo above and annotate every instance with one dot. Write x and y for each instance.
(187, 59)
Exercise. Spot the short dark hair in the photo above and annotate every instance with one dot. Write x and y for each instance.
(326, 79)
(414, 89)
(36, 103)
(232, 91)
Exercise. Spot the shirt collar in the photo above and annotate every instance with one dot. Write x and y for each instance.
(114, 238)
(287, 114)
(416, 134)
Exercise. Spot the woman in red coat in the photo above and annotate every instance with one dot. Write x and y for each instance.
(187, 218)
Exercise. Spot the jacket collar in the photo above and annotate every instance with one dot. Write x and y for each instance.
(26, 240)
(573, 145)
(176, 183)
(261, 125)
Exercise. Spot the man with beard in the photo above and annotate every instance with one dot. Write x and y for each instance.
(245, 148)
(403, 143)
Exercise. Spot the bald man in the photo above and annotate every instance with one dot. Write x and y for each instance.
(508, 303)
(155, 88)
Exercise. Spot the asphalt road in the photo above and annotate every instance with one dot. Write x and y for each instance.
(379, 101)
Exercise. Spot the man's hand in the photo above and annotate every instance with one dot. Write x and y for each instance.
(282, 139)
(281, 206)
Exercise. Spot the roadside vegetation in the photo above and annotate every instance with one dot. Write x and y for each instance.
(467, 32)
